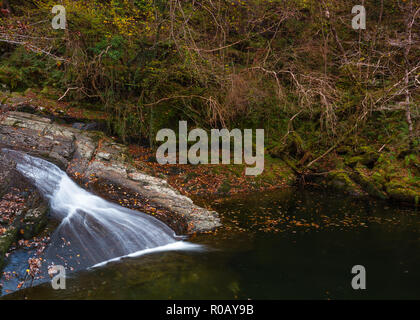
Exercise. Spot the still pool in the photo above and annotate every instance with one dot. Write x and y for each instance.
(291, 244)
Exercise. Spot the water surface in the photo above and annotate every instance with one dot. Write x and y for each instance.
(290, 244)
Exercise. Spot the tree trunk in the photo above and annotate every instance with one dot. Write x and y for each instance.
(409, 25)
(407, 110)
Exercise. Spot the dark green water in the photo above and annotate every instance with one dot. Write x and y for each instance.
(280, 245)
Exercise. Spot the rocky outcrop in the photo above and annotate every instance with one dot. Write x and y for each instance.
(23, 212)
(360, 181)
(96, 161)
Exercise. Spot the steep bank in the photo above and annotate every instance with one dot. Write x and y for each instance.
(326, 95)
(387, 173)
(390, 175)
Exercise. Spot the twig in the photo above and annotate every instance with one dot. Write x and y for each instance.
(65, 93)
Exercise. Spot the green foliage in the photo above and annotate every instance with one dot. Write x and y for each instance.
(248, 64)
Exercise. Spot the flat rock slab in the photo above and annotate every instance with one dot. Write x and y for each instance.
(89, 157)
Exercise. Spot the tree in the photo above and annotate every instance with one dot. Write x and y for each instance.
(404, 42)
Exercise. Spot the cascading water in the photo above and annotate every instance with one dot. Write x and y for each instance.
(92, 231)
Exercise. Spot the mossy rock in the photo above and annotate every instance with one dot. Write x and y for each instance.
(50, 92)
(402, 193)
(340, 180)
(368, 159)
(353, 161)
(343, 150)
(379, 177)
(6, 240)
(356, 141)
(384, 160)
(367, 149)
(371, 186)
(34, 221)
(293, 146)
(412, 162)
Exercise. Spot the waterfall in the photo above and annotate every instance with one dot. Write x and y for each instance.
(92, 231)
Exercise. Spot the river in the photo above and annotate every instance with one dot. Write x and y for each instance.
(290, 244)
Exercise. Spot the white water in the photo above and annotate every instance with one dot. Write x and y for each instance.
(93, 231)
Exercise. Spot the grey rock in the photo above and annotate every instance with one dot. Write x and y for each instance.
(104, 156)
(78, 125)
(79, 153)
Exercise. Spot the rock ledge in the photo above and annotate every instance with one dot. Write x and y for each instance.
(89, 156)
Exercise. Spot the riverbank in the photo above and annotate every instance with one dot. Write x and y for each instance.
(357, 166)
(130, 176)
(102, 165)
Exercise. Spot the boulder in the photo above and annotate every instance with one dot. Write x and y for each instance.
(89, 157)
(23, 212)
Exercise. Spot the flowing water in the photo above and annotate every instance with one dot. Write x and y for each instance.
(92, 231)
(286, 244)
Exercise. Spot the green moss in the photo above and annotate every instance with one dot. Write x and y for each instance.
(379, 177)
(96, 136)
(343, 150)
(49, 92)
(34, 221)
(367, 149)
(353, 161)
(402, 193)
(371, 186)
(368, 157)
(340, 180)
(293, 145)
(6, 240)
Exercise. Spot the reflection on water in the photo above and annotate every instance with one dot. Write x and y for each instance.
(280, 245)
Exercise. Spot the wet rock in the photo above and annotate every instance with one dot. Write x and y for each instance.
(400, 193)
(340, 180)
(89, 156)
(104, 156)
(6, 174)
(159, 194)
(23, 212)
(91, 126)
(367, 159)
(369, 184)
(7, 237)
(99, 168)
(78, 125)
(85, 126)
(141, 177)
(37, 136)
(361, 181)
(35, 218)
